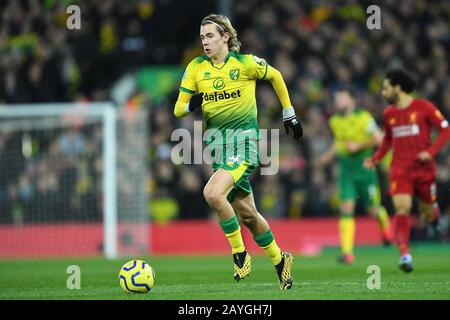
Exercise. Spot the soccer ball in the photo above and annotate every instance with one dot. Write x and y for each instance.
(136, 276)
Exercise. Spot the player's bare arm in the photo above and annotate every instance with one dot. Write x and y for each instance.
(354, 147)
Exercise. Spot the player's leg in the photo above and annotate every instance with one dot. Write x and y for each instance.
(232, 166)
(371, 197)
(430, 213)
(244, 205)
(381, 215)
(427, 211)
(245, 208)
(402, 190)
(215, 193)
(346, 225)
(347, 231)
(402, 228)
(428, 206)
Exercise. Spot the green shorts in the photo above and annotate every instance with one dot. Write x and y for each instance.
(240, 159)
(363, 186)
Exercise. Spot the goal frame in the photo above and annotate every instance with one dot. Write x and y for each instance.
(107, 112)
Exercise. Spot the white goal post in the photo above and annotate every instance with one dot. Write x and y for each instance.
(55, 121)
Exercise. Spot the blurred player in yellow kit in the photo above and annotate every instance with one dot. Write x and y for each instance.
(356, 134)
(222, 83)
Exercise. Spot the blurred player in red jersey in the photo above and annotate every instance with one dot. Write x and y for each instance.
(408, 123)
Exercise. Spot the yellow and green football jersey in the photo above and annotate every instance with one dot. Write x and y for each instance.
(358, 127)
(354, 180)
(229, 101)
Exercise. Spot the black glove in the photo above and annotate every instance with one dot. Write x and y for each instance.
(294, 124)
(196, 101)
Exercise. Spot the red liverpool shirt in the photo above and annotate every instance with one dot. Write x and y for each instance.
(408, 132)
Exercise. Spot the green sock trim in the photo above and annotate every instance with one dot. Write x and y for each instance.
(229, 226)
(346, 215)
(263, 240)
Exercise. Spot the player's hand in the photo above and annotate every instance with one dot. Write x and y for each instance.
(196, 101)
(291, 122)
(294, 125)
(369, 163)
(424, 156)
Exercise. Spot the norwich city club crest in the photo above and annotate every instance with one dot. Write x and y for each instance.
(234, 74)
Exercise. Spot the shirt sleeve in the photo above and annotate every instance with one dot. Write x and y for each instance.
(386, 143)
(188, 83)
(371, 125)
(182, 105)
(257, 67)
(435, 117)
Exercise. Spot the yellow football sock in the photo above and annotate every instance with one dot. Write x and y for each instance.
(273, 252)
(267, 242)
(232, 231)
(235, 240)
(347, 233)
(383, 218)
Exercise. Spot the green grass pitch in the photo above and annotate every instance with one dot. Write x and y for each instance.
(192, 278)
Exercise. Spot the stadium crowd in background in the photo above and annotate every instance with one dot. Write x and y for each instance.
(316, 45)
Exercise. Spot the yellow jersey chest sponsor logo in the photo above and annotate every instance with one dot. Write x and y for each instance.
(222, 95)
(219, 84)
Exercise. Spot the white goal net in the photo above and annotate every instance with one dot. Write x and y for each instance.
(73, 180)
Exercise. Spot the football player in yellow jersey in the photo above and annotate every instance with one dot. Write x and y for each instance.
(222, 82)
(355, 134)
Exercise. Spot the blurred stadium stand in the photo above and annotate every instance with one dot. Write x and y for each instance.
(315, 44)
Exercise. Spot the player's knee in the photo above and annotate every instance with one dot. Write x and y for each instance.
(347, 208)
(212, 197)
(373, 212)
(402, 211)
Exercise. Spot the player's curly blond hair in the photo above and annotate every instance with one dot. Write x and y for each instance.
(223, 25)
